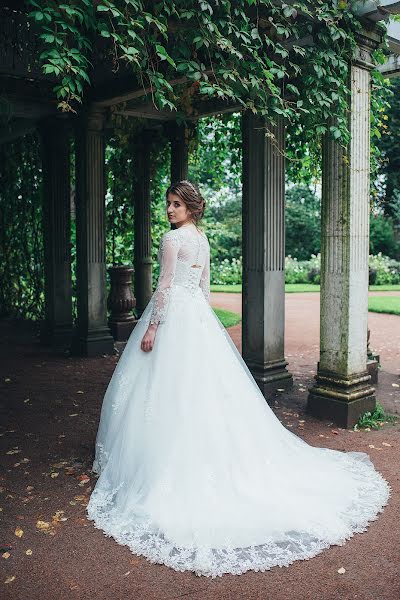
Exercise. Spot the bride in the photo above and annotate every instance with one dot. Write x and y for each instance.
(195, 470)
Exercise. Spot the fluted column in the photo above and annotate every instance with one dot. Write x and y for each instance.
(56, 328)
(179, 136)
(343, 390)
(93, 336)
(264, 253)
(142, 227)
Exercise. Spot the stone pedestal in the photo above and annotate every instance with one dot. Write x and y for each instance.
(142, 226)
(56, 329)
(343, 390)
(121, 303)
(92, 336)
(263, 322)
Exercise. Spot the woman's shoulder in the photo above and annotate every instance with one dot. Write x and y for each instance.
(170, 237)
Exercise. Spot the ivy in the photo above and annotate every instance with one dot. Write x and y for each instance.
(255, 53)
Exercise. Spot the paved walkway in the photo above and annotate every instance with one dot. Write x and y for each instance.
(302, 340)
(49, 413)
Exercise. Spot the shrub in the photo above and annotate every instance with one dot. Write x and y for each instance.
(382, 270)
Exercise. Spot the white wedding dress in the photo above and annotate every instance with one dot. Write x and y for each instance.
(195, 470)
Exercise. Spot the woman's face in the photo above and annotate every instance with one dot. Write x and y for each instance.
(177, 211)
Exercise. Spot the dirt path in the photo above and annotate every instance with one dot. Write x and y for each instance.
(302, 340)
(49, 411)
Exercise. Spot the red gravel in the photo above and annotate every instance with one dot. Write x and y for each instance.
(73, 560)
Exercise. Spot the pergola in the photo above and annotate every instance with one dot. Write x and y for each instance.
(343, 390)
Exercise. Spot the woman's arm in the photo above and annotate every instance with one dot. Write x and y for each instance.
(168, 256)
(205, 277)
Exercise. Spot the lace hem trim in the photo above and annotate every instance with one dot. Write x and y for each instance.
(144, 539)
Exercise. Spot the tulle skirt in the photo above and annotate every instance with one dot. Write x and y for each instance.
(197, 473)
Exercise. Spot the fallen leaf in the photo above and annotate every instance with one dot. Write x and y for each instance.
(6, 555)
(19, 532)
(42, 525)
(341, 570)
(9, 579)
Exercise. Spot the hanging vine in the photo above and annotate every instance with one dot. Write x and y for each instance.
(269, 56)
(21, 264)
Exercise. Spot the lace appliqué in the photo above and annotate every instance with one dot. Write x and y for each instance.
(167, 256)
(101, 459)
(145, 539)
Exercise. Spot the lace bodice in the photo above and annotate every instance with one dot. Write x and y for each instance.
(184, 257)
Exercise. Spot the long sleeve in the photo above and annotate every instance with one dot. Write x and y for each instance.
(205, 277)
(168, 256)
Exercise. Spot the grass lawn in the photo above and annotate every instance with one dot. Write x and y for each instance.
(384, 304)
(300, 287)
(227, 318)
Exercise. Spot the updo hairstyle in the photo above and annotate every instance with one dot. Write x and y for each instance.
(191, 196)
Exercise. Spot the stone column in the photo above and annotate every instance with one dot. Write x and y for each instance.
(343, 390)
(179, 136)
(93, 336)
(56, 328)
(142, 227)
(263, 323)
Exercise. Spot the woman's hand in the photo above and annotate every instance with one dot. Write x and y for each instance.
(148, 338)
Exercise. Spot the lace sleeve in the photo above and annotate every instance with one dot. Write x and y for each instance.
(205, 277)
(168, 256)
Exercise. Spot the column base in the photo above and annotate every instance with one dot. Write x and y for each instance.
(94, 343)
(271, 376)
(57, 336)
(121, 330)
(341, 400)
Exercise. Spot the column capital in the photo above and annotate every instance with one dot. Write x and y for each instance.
(94, 118)
(367, 40)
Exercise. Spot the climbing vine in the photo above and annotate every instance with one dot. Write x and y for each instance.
(21, 244)
(268, 56)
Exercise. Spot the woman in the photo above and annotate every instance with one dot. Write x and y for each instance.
(195, 470)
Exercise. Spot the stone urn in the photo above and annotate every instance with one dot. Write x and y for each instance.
(121, 302)
(373, 361)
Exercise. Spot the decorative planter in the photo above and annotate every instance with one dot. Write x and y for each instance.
(121, 302)
(373, 361)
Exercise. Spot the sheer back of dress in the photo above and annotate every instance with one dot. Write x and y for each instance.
(184, 257)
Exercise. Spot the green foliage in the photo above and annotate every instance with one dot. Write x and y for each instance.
(249, 52)
(382, 236)
(384, 304)
(303, 222)
(375, 419)
(388, 150)
(303, 271)
(383, 270)
(227, 318)
(21, 243)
